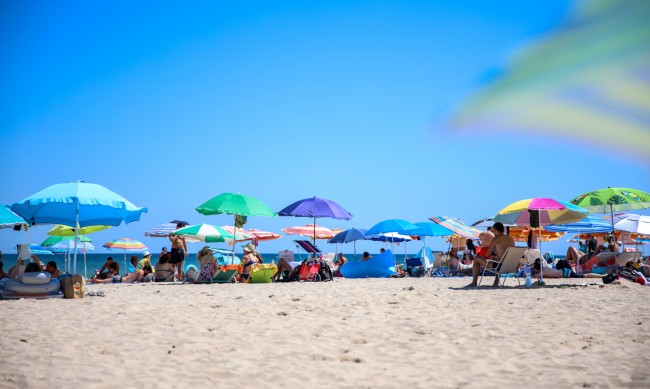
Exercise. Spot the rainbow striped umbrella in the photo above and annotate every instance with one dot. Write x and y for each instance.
(457, 226)
(126, 244)
(588, 80)
(550, 212)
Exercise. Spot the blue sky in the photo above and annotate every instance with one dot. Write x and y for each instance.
(170, 104)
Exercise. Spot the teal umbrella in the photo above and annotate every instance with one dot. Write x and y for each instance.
(8, 219)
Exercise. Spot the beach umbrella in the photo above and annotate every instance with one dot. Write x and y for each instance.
(539, 212)
(263, 235)
(39, 250)
(181, 223)
(126, 244)
(50, 240)
(204, 233)
(398, 226)
(62, 230)
(634, 223)
(426, 229)
(392, 237)
(457, 226)
(161, 230)
(586, 80)
(78, 204)
(311, 230)
(68, 245)
(590, 224)
(609, 200)
(240, 235)
(351, 235)
(487, 222)
(8, 219)
(520, 234)
(316, 207)
(239, 205)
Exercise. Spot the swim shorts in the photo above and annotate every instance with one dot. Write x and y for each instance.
(481, 252)
(177, 256)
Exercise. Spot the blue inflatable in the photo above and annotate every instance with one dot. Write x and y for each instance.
(379, 266)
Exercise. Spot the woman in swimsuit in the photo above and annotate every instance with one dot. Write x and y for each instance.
(251, 258)
(207, 263)
(164, 270)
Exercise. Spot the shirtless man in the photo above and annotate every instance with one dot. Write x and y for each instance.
(107, 266)
(179, 252)
(500, 243)
(486, 238)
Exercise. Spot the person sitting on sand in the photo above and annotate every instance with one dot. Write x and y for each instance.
(284, 269)
(164, 270)
(340, 261)
(562, 270)
(500, 244)
(106, 266)
(250, 258)
(137, 276)
(52, 269)
(366, 256)
(207, 264)
(146, 260)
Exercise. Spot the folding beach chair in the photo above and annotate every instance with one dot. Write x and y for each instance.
(306, 246)
(508, 264)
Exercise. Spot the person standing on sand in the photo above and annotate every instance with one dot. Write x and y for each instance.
(179, 252)
(501, 242)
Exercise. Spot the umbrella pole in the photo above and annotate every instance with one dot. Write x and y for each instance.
(85, 269)
(234, 240)
(541, 265)
(76, 235)
(314, 231)
(355, 250)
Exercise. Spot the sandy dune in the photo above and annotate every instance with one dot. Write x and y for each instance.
(375, 333)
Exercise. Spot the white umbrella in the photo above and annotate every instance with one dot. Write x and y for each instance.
(634, 223)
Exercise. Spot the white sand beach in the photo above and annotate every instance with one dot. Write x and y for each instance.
(373, 333)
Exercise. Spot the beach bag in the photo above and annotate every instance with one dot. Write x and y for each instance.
(73, 287)
(325, 272)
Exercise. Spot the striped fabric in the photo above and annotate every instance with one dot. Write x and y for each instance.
(457, 226)
(589, 80)
(125, 244)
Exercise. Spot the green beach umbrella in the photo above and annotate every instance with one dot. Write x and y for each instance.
(235, 204)
(609, 200)
(63, 230)
(56, 239)
(204, 233)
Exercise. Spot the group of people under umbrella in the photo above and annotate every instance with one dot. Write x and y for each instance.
(87, 206)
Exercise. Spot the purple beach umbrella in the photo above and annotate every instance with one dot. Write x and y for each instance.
(316, 207)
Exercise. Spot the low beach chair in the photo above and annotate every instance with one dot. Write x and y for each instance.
(508, 264)
(225, 277)
(262, 273)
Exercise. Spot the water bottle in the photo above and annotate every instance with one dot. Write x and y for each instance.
(529, 282)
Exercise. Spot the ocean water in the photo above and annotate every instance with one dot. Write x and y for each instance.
(95, 261)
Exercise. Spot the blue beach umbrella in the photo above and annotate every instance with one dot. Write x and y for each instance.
(9, 219)
(77, 204)
(351, 235)
(39, 250)
(392, 225)
(589, 224)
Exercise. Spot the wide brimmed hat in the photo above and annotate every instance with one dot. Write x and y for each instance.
(249, 247)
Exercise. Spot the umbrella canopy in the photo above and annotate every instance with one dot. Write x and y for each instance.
(589, 224)
(634, 223)
(39, 250)
(240, 235)
(77, 204)
(609, 200)
(205, 233)
(351, 235)
(392, 225)
(520, 234)
(235, 204)
(487, 222)
(457, 226)
(9, 219)
(65, 246)
(430, 229)
(263, 235)
(56, 239)
(587, 81)
(316, 207)
(550, 212)
(61, 230)
(392, 237)
(161, 230)
(177, 222)
(127, 244)
(311, 230)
